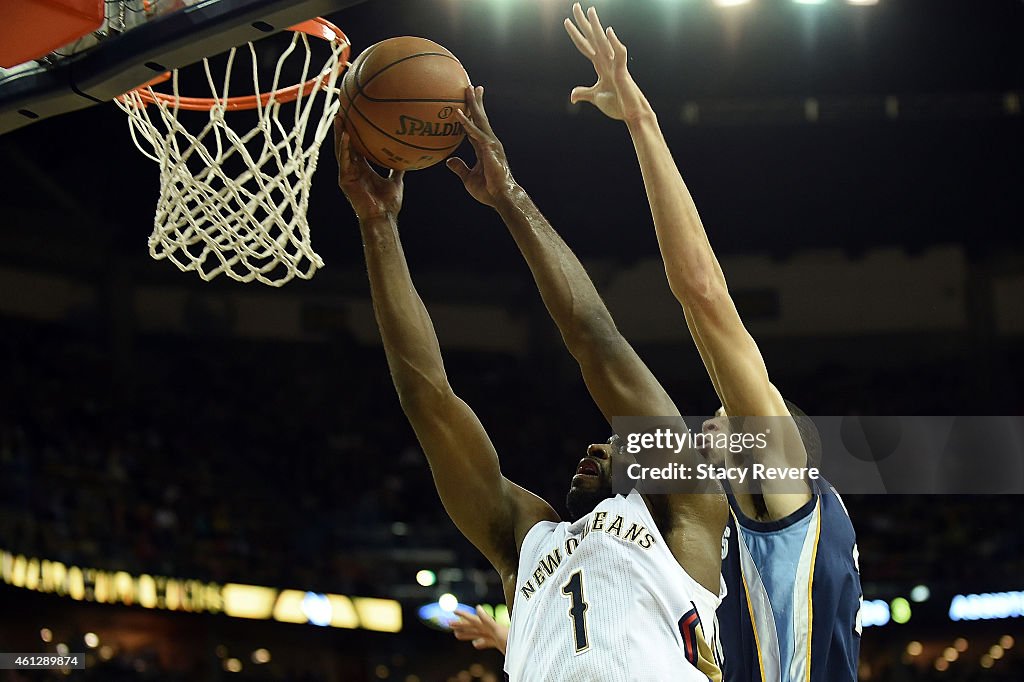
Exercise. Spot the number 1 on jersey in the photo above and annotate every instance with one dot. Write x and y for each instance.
(578, 606)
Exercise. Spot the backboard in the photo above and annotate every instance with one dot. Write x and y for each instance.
(133, 41)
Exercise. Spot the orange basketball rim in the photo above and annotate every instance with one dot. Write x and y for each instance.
(317, 28)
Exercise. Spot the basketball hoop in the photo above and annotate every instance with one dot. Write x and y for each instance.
(230, 202)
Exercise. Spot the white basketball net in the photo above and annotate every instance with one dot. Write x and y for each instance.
(249, 223)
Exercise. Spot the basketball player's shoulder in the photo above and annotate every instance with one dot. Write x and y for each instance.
(836, 523)
(540, 534)
(707, 510)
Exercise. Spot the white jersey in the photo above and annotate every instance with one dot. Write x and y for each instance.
(604, 600)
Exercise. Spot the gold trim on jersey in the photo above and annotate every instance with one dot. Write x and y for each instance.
(810, 591)
(753, 624)
(706, 657)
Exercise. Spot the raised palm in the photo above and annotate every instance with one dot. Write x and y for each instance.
(615, 93)
(602, 95)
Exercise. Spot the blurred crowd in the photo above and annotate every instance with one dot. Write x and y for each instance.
(288, 465)
(219, 459)
(291, 465)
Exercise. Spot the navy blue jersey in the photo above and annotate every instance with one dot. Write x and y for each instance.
(791, 611)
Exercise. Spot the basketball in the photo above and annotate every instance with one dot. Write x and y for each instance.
(398, 102)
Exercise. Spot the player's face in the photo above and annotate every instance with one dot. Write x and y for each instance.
(716, 425)
(592, 481)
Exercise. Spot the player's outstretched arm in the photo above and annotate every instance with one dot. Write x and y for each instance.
(618, 380)
(694, 274)
(492, 512)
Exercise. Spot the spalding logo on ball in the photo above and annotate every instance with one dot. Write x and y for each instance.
(398, 103)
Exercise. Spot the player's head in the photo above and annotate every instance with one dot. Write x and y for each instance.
(592, 481)
(722, 423)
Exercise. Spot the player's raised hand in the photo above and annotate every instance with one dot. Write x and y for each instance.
(615, 93)
(490, 179)
(480, 629)
(372, 195)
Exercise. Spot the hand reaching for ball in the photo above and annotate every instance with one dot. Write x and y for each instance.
(615, 93)
(372, 195)
(489, 181)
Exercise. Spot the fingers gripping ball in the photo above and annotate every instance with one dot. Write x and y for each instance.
(398, 103)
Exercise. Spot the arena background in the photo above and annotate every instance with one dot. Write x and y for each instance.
(858, 168)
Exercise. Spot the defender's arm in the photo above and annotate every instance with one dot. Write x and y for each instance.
(731, 356)
(694, 275)
(492, 512)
